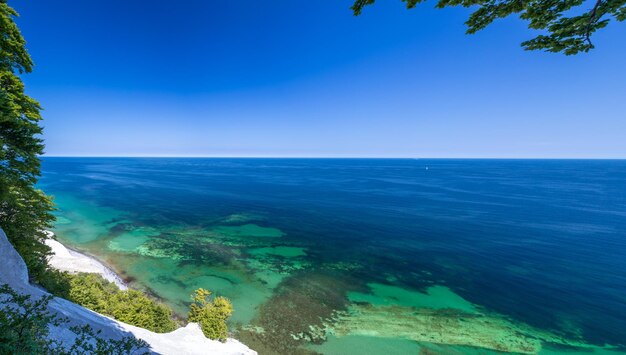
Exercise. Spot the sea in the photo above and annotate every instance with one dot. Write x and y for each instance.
(366, 256)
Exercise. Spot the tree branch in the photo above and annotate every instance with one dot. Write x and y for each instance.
(592, 20)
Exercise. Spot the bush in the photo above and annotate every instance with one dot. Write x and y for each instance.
(94, 292)
(210, 314)
(133, 307)
(24, 329)
(56, 282)
(24, 323)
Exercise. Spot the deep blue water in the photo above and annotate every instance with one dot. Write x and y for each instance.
(541, 241)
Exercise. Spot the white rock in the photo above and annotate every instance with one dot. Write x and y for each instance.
(187, 340)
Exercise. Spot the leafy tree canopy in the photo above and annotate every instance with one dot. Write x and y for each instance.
(211, 314)
(24, 210)
(94, 292)
(567, 25)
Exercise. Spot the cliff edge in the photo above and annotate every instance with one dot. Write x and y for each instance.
(187, 340)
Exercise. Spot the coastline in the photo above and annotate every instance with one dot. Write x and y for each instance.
(64, 258)
(185, 340)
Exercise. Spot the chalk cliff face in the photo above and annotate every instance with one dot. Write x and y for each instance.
(187, 340)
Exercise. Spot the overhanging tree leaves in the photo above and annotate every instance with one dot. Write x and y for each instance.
(567, 25)
(24, 210)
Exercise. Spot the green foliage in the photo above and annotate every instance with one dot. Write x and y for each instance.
(567, 25)
(24, 210)
(24, 329)
(135, 308)
(88, 342)
(24, 323)
(210, 314)
(56, 282)
(94, 292)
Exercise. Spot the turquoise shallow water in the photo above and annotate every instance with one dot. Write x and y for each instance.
(374, 256)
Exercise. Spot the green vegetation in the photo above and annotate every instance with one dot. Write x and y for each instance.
(24, 329)
(25, 213)
(24, 210)
(568, 24)
(211, 314)
(134, 307)
(94, 292)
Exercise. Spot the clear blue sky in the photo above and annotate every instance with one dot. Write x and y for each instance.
(306, 78)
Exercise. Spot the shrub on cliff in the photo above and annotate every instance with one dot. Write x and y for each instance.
(136, 308)
(56, 282)
(211, 314)
(25, 327)
(94, 292)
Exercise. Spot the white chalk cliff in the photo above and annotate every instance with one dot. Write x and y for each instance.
(187, 340)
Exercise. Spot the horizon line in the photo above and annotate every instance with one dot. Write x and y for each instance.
(323, 157)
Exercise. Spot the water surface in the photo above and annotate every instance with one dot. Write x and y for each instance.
(392, 256)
